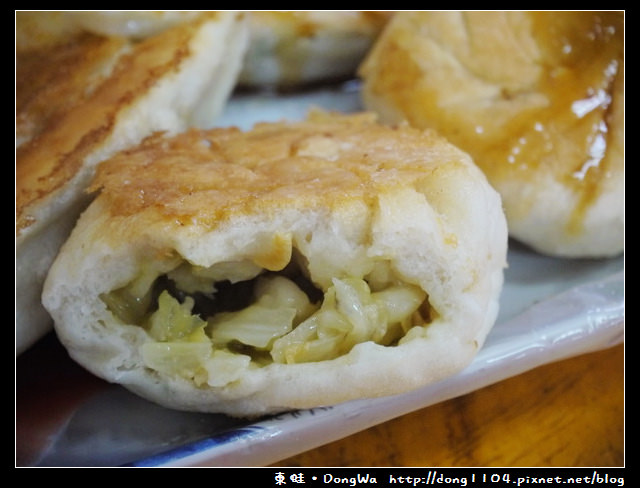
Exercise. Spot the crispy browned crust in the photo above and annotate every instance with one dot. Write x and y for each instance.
(54, 79)
(205, 178)
(73, 131)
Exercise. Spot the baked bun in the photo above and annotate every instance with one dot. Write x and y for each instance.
(290, 266)
(291, 49)
(80, 98)
(536, 98)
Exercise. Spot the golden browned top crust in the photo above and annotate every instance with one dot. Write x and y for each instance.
(53, 79)
(527, 94)
(47, 162)
(207, 177)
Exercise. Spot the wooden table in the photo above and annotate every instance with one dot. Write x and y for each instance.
(569, 413)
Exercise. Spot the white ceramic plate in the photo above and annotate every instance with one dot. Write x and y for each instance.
(551, 309)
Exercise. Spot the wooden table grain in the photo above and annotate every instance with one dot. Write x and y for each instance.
(567, 413)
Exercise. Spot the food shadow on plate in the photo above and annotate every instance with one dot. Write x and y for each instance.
(67, 417)
(532, 277)
(526, 266)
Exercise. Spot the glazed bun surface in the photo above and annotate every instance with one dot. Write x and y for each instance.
(536, 98)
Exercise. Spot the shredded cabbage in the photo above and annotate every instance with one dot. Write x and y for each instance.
(281, 324)
(185, 359)
(173, 320)
(350, 314)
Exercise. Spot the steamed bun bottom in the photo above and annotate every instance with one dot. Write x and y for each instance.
(209, 324)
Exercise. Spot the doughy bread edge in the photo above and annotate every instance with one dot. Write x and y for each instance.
(55, 213)
(88, 266)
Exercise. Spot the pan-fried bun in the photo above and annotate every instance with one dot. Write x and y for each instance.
(537, 99)
(298, 48)
(79, 99)
(294, 265)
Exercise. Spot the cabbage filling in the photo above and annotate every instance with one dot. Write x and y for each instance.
(209, 324)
